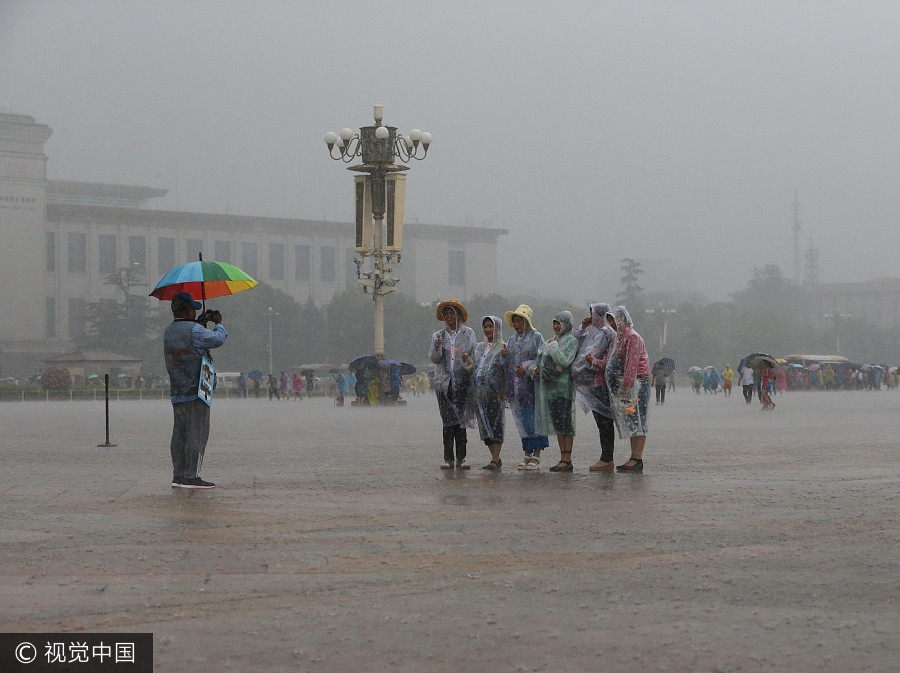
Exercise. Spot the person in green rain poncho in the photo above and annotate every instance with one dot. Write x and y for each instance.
(554, 412)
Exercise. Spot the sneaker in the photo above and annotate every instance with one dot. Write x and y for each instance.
(176, 482)
(462, 465)
(196, 482)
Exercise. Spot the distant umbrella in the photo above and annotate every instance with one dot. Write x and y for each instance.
(665, 364)
(691, 370)
(405, 368)
(365, 361)
(760, 360)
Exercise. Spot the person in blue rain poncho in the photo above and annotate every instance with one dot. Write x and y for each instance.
(489, 380)
(554, 411)
(452, 348)
(520, 353)
(595, 338)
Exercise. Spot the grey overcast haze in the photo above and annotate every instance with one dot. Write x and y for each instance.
(674, 133)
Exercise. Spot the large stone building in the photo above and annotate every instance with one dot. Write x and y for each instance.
(59, 241)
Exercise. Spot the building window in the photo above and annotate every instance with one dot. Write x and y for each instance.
(77, 253)
(194, 248)
(301, 263)
(77, 318)
(250, 259)
(50, 327)
(108, 253)
(165, 255)
(457, 264)
(51, 251)
(137, 253)
(223, 251)
(276, 261)
(326, 268)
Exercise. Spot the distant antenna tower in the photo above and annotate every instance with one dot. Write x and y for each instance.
(796, 238)
(813, 265)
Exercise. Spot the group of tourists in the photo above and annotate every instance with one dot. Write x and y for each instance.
(788, 376)
(600, 365)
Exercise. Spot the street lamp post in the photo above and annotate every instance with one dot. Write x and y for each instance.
(271, 312)
(665, 313)
(380, 189)
(837, 318)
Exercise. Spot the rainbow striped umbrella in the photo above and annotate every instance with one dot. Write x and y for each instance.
(204, 280)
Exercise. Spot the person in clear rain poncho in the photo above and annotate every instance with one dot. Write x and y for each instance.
(627, 372)
(521, 351)
(489, 380)
(452, 349)
(554, 412)
(595, 338)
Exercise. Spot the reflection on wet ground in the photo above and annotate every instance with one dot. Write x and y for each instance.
(335, 542)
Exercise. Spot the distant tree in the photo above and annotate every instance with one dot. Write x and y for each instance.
(246, 318)
(631, 294)
(769, 290)
(125, 324)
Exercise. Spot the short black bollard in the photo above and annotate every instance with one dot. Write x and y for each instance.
(106, 443)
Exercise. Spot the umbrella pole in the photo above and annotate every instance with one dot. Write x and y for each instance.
(202, 284)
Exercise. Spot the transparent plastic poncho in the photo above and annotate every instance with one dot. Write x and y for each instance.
(629, 389)
(452, 376)
(553, 381)
(522, 350)
(489, 379)
(597, 338)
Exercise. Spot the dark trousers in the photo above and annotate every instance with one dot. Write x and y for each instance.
(661, 394)
(607, 428)
(190, 433)
(455, 433)
(748, 393)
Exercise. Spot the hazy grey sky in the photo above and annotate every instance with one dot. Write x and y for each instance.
(590, 130)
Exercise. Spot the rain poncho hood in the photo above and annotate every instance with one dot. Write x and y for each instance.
(622, 318)
(564, 318)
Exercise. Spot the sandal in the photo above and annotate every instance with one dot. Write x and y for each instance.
(562, 466)
(493, 465)
(637, 467)
(532, 464)
(446, 465)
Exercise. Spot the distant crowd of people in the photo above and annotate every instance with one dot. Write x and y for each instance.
(788, 376)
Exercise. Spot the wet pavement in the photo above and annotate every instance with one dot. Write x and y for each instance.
(754, 541)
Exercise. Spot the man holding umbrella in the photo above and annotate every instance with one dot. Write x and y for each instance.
(185, 343)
